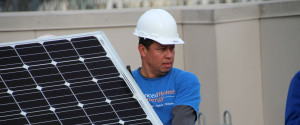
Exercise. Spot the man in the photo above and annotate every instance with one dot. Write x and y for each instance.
(292, 111)
(173, 93)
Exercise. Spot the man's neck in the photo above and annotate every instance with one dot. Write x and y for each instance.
(148, 74)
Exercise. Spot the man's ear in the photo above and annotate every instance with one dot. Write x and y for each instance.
(142, 50)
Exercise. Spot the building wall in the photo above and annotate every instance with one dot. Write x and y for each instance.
(243, 54)
(239, 71)
(280, 42)
(200, 55)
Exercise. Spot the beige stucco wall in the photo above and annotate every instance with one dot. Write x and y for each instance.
(247, 55)
(200, 54)
(243, 54)
(280, 42)
(223, 49)
(239, 71)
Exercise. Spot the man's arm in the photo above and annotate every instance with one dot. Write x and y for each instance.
(187, 100)
(183, 115)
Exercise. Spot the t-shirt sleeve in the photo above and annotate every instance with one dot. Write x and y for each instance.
(183, 115)
(188, 91)
(292, 112)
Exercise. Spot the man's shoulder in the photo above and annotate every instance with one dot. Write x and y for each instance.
(182, 72)
(184, 76)
(298, 74)
(136, 71)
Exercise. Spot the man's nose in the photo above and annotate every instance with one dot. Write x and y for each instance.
(169, 53)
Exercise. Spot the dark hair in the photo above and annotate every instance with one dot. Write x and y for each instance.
(146, 42)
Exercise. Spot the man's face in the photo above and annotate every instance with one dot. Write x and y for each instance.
(159, 58)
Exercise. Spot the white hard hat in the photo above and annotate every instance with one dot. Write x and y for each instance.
(158, 25)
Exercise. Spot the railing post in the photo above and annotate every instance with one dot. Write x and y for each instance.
(201, 115)
(229, 117)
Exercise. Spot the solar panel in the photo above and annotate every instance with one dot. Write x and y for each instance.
(73, 79)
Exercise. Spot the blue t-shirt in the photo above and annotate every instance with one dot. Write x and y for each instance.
(178, 87)
(292, 111)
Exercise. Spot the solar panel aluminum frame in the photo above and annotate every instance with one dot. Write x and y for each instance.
(116, 60)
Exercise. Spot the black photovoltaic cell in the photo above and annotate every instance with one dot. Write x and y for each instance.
(64, 82)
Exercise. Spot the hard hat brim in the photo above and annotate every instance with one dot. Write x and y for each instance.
(168, 41)
(162, 40)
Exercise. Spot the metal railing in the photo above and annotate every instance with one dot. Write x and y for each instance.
(202, 119)
(227, 113)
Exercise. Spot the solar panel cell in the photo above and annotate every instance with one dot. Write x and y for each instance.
(73, 70)
(9, 58)
(42, 73)
(32, 54)
(9, 106)
(41, 116)
(62, 100)
(101, 68)
(61, 50)
(88, 47)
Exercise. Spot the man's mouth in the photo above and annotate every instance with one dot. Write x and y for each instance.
(167, 65)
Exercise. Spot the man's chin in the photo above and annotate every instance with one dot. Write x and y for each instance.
(166, 70)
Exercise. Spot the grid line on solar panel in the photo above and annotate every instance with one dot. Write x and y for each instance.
(30, 114)
(135, 116)
(22, 90)
(9, 119)
(94, 101)
(78, 79)
(72, 118)
(65, 104)
(104, 76)
(109, 78)
(136, 120)
(59, 96)
(104, 122)
(107, 120)
(108, 82)
(43, 122)
(7, 115)
(14, 109)
(8, 57)
(32, 111)
(116, 97)
(115, 88)
(139, 122)
(102, 68)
